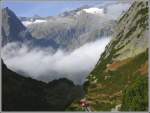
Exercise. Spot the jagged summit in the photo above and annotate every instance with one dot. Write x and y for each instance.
(12, 28)
(10, 17)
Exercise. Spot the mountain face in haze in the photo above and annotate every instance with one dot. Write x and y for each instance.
(72, 29)
(14, 31)
(73, 12)
(66, 32)
(26, 94)
(12, 28)
(119, 81)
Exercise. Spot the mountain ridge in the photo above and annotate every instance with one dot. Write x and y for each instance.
(26, 94)
(61, 32)
(12, 28)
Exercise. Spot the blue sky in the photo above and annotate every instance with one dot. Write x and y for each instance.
(46, 8)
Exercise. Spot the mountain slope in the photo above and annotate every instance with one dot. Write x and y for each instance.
(14, 31)
(12, 28)
(65, 32)
(122, 65)
(26, 94)
(124, 56)
(74, 29)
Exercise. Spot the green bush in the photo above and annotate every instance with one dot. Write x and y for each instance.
(135, 97)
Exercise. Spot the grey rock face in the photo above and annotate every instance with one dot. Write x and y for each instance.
(70, 32)
(12, 28)
(64, 31)
(131, 36)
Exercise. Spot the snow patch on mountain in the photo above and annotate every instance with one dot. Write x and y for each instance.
(29, 22)
(94, 10)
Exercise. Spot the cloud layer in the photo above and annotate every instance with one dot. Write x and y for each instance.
(42, 64)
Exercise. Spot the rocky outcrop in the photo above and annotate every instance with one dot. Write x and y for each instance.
(72, 31)
(12, 28)
(131, 36)
(66, 32)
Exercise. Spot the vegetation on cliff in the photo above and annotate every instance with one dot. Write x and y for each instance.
(119, 80)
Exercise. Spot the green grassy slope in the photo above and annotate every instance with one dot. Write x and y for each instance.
(122, 69)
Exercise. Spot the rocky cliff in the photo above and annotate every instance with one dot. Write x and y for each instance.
(66, 32)
(12, 28)
(74, 29)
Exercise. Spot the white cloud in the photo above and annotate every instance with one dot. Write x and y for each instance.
(46, 66)
(114, 11)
